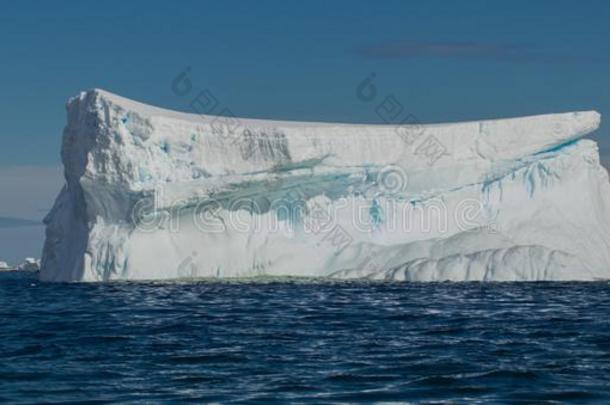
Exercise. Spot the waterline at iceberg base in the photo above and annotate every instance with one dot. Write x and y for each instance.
(157, 194)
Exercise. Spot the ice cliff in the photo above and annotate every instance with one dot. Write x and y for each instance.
(157, 194)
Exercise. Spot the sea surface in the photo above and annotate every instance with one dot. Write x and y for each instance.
(268, 341)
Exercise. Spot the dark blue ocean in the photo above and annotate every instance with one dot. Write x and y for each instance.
(291, 341)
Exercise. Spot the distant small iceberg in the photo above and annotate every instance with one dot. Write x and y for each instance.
(29, 264)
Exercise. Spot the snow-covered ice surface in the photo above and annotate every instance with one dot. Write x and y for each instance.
(157, 194)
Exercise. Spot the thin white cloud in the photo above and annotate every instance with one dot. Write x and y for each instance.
(410, 49)
(522, 53)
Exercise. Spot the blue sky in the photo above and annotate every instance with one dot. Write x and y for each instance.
(444, 61)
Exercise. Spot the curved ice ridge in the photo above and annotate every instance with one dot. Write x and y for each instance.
(158, 194)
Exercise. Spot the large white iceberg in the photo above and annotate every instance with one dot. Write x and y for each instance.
(157, 194)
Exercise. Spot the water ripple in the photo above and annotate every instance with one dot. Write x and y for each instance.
(295, 341)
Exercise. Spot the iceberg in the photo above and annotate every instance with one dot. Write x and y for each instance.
(157, 194)
(29, 264)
